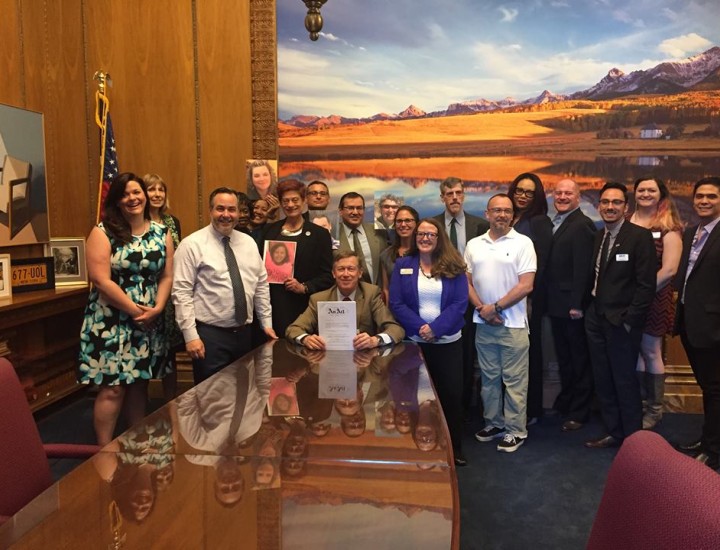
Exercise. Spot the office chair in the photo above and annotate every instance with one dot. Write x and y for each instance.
(24, 467)
(656, 497)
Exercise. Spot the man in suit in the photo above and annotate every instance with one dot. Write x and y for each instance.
(353, 232)
(697, 317)
(461, 227)
(568, 278)
(375, 324)
(623, 289)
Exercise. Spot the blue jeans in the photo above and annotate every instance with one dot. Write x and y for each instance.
(503, 356)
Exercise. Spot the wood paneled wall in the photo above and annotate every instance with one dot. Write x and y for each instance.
(182, 101)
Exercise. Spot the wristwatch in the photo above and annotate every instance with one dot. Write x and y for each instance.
(380, 341)
(498, 308)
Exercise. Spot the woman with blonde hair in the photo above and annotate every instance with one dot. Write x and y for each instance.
(159, 205)
(656, 210)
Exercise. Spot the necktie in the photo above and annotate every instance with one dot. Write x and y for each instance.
(346, 299)
(556, 222)
(241, 313)
(604, 253)
(361, 256)
(453, 232)
(600, 261)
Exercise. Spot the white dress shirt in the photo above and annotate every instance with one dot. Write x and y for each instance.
(202, 290)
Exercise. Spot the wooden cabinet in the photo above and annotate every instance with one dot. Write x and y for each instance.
(42, 330)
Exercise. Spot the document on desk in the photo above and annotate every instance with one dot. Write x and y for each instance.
(337, 324)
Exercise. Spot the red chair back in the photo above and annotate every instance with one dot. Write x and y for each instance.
(24, 468)
(656, 497)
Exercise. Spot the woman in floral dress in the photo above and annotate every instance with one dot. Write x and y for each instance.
(122, 339)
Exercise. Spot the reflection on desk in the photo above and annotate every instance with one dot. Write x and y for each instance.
(213, 467)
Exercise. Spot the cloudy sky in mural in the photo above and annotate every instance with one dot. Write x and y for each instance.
(380, 56)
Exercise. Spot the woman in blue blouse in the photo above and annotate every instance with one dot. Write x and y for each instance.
(428, 296)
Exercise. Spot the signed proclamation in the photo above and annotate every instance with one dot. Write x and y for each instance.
(337, 324)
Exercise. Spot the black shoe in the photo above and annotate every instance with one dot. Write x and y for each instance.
(571, 426)
(460, 460)
(604, 442)
(692, 447)
(710, 460)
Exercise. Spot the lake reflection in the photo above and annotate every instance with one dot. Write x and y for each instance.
(417, 180)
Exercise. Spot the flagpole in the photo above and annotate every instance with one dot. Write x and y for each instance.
(102, 107)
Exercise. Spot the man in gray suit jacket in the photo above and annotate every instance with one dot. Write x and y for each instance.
(461, 227)
(352, 230)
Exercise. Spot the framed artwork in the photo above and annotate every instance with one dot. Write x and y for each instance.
(5, 277)
(28, 274)
(68, 257)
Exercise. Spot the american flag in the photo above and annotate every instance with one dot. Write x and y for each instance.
(108, 154)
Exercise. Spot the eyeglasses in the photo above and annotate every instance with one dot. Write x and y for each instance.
(353, 208)
(294, 200)
(455, 193)
(426, 235)
(527, 192)
(508, 211)
(317, 193)
(614, 202)
(407, 221)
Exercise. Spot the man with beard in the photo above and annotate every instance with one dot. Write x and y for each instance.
(460, 228)
(623, 289)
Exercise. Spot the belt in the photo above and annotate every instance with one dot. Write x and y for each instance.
(236, 329)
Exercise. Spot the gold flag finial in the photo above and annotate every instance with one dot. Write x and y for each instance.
(103, 78)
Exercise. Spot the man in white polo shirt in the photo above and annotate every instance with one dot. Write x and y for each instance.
(501, 269)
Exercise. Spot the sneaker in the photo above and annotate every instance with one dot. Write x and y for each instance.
(510, 443)
(489, 433)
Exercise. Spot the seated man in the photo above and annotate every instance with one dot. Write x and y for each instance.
(375, 324)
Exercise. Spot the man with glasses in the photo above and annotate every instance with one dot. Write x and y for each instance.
(623, 287)
(388, 205)
(361, 237)
(318, 195)
(460, 228)
(501, 268)
(376, 325)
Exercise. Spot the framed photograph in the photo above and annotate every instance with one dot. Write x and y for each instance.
(5, 277)
(68, 257)
(28, 274)
(279, 258)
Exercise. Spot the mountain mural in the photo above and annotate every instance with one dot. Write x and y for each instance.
(697, 73)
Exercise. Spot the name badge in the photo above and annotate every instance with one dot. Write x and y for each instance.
(406, 271)
(622, 257)
(656, 234)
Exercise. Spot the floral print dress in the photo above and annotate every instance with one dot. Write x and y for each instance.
(113, 348)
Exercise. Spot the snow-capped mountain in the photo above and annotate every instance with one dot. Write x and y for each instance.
(700, 72)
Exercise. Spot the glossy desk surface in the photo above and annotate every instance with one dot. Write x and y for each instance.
(220, 468)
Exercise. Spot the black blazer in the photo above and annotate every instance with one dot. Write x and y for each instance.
(313, 266)
(474, 225)
(569, 271)
(627, 287)
(701, 311)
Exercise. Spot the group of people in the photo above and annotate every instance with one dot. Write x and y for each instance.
(465, 288)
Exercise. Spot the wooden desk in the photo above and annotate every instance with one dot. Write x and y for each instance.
(213, 470)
